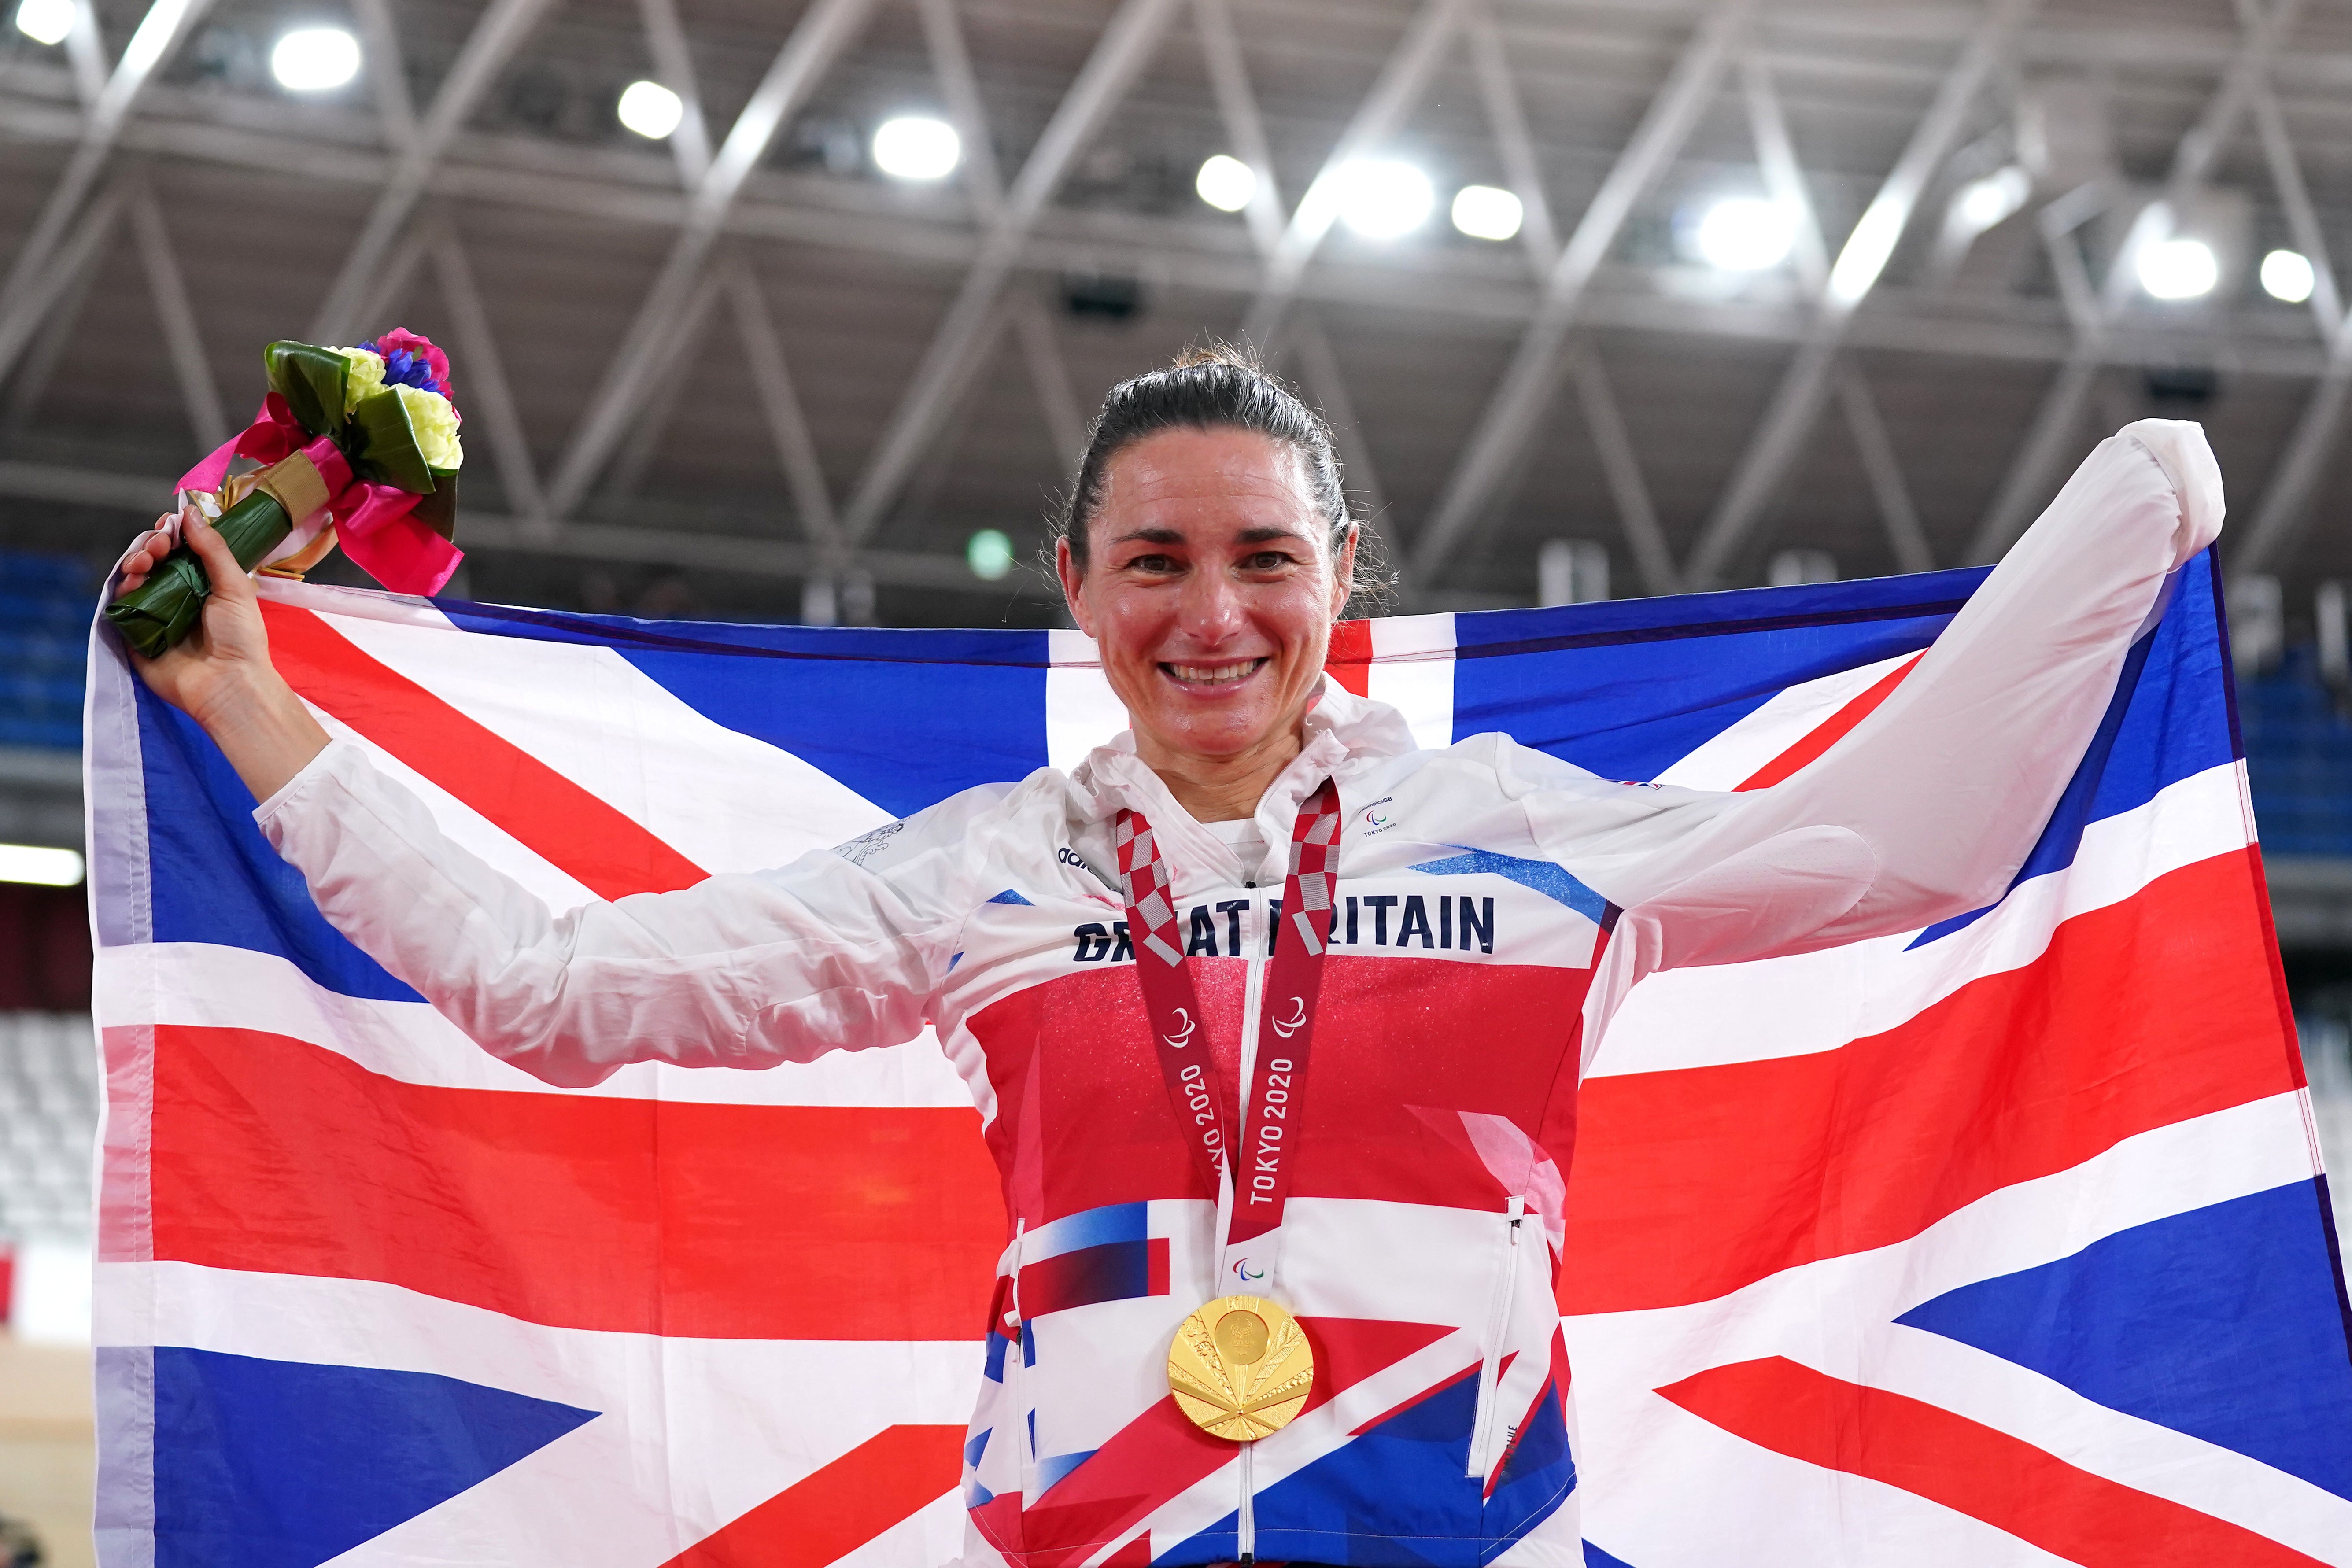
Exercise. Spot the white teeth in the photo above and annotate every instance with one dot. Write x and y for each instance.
(1213, 675)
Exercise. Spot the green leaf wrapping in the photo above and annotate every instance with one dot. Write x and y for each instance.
(313, 382)
(383, 446)
(163, 609)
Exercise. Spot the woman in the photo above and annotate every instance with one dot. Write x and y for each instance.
(1389, 1091)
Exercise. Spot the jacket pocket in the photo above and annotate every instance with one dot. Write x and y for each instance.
(1485, 1442)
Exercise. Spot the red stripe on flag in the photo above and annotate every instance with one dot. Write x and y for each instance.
(826, 1515)
(1968, 1466)
(603, 848)
(578, 1211)
(1830, 730)
(1691, 1184)
(1349, 660)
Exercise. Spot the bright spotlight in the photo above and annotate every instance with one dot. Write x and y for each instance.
(1994, 199)
(1225, 184)
(2178, 268)
(1486, 212)
(312, 59)
(651, 109)
(1744, 234)
(46, 21)
(917, 147)
(989, 554)
(1382, 198)
(39, 865)
(2287, 275)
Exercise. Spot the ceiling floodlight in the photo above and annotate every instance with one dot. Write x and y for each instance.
(1225, 184)
(46, 21)
(2287, 275)
(312, 59)
(989, 554)
(1744, 234)
(1993, 200)
(651, 109)
(917, 147)
(1486, 212)
(2178, 268)
(1382, 198)
(41, 865)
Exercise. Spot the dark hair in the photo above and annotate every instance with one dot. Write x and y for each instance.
(1215, 386)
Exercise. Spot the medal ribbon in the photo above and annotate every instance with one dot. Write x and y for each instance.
(1261, 1168)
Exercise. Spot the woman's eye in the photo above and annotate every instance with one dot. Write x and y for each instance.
(1267, 560)
(1154, 564)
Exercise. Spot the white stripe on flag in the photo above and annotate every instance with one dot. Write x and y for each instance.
(1733, 756)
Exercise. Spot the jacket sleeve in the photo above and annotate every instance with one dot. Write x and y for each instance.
(1928, 808)
(742, 971)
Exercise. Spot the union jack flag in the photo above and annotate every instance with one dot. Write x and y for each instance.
(2004, 1242)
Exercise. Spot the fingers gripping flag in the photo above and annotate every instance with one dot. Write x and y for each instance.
(2003, 1242)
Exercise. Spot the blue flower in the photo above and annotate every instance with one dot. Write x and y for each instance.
(401, 368)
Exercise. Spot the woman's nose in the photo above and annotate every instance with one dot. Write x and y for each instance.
(1213, 605)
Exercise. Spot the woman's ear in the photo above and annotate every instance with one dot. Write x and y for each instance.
(1073, 576)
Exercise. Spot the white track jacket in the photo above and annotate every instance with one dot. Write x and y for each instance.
(1495, 907)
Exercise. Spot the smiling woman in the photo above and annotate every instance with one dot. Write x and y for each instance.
(1206, 547)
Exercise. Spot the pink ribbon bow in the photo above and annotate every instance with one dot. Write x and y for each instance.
(372, 521)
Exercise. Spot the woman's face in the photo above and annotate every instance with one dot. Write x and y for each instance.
(1210, 590)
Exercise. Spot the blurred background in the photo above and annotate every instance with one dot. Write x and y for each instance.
(796, 311)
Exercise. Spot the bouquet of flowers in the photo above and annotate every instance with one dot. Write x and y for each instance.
(362, 448)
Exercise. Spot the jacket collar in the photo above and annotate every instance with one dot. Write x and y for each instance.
(1345, 734)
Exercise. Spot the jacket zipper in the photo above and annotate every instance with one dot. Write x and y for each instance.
(1260, 927)
(1498, 1319)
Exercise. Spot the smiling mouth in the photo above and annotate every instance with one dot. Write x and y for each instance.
(1212, 675)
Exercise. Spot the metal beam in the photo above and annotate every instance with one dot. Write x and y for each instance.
(78, 253)
(1518, 402)
(1049, 377)
(1622, 469)
(490, 397)
(1788, 420)
(951, 63)
(1122, 51)
(502, 31)
(1394, 93)
(823, 31)
(387, 77)
(780, 403)
(1320, 369)
(158, 34)
(199, 393)
(2052, 434)
(674, 69)
(1508, 118)
(1229, 82)
(667, 384)
(1904, 535)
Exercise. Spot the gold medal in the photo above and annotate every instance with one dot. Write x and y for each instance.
(1240, 1368)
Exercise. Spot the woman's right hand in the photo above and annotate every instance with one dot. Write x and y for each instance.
(220, 675)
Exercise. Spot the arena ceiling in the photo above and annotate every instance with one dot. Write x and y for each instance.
(743, 372)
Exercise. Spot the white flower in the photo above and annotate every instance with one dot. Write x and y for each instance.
(366, 375)
(436, 424)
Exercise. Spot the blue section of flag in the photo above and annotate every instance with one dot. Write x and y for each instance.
(1627, 688)
(1538, 1474)
(904, 718)
(1552, 881)
(1398, 1486)
(1088, 1227)
(1596, 1558)
(1054, 1467)
(2223, 1322)
(272, 1464)
(212, 876)
(1009, 896)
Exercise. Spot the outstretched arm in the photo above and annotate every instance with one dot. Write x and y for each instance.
(738, 971)
(1929, 807)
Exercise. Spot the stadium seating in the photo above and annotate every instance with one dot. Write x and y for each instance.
(45, 610)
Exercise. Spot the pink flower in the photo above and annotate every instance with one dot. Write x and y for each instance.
(400, 340)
